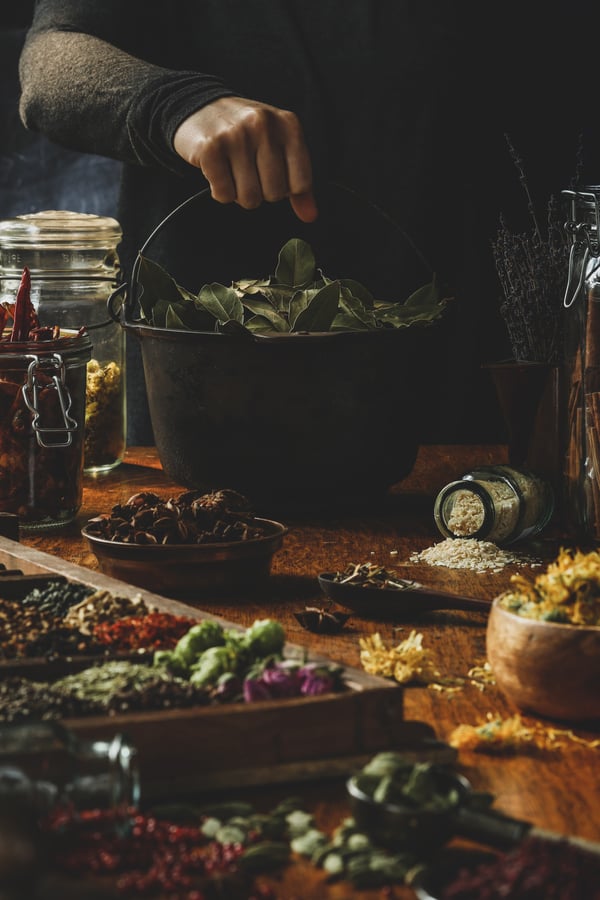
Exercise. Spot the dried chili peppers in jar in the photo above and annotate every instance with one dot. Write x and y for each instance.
(42, 415)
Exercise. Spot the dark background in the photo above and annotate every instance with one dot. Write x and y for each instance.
(36, 174)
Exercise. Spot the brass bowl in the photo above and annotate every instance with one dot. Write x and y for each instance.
(191, 571)
(547, 668)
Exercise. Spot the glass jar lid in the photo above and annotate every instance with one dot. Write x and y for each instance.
(58, 229)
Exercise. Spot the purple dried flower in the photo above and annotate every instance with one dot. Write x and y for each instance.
(282, 680)
(228, 688)
(255, 689)
(275, 681)
(316, 680)
(286, 678)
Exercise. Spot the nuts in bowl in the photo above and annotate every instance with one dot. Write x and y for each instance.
(543, 639)
(188, 546)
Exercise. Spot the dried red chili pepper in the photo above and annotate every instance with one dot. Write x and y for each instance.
(536, 868)
(157, 631)
(44, 333)
(24, 316)
(153, 856)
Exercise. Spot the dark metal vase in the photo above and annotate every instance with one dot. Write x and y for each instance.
(530, 398)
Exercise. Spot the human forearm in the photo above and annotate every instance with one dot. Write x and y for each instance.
(94, 81)
(88, 95)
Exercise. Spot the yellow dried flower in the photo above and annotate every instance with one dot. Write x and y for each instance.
(481, 676)
(494, 735)
(569, 591)
(498, 735)
(408, 662)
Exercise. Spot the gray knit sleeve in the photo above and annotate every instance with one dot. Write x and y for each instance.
(83, 87)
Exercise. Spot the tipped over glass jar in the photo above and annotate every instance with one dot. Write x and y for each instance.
(497, 503)
(61, 771)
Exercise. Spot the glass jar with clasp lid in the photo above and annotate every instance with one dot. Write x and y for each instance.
(496, 503)
(42, 413)
(74, 266)
(581, 370)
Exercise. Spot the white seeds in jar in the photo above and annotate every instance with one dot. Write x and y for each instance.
(494, 503)
(466, 513)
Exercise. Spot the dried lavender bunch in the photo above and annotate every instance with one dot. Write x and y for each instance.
(532, 269)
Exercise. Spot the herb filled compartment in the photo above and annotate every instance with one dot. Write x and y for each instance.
(238, 743)
(52, 627)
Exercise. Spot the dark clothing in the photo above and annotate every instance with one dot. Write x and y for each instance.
(407, 103)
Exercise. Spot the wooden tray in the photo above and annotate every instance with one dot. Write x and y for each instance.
(242, 744)
(15, 585)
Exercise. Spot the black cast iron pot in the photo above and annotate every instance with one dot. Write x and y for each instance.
(293, 421)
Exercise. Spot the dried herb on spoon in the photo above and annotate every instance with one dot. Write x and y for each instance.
(371, 575)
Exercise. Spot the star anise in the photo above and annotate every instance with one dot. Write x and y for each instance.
(322, 620)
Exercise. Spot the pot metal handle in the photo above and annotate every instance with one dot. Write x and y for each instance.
(131, 297)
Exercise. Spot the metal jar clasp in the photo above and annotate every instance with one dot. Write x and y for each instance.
(54, 369)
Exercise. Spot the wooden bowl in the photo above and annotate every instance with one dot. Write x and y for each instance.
(192, 572)
(545, 667)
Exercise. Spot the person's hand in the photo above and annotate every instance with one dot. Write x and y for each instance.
(249, 152)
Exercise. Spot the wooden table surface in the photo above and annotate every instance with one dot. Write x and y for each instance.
(557, 789)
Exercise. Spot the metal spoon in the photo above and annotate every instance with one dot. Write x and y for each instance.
(406, 597)
(425, 829)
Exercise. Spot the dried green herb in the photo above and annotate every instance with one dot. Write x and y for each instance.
(296, 298)
(113, 687)
(57, 598)
(349, 854)
(372, 576)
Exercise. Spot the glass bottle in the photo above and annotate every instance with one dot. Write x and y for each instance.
(581, 404)
(57, 771)
(53, 783)
(497, 503)
(74, 268)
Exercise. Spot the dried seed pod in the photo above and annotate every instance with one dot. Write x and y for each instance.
(143, 498)
(322, 620)
(144, 537)
(191, 518)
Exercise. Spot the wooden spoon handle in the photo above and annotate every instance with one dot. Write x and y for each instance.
(434, 599)
(581, 843)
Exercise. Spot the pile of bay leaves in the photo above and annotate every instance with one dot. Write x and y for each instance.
(297, 298)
